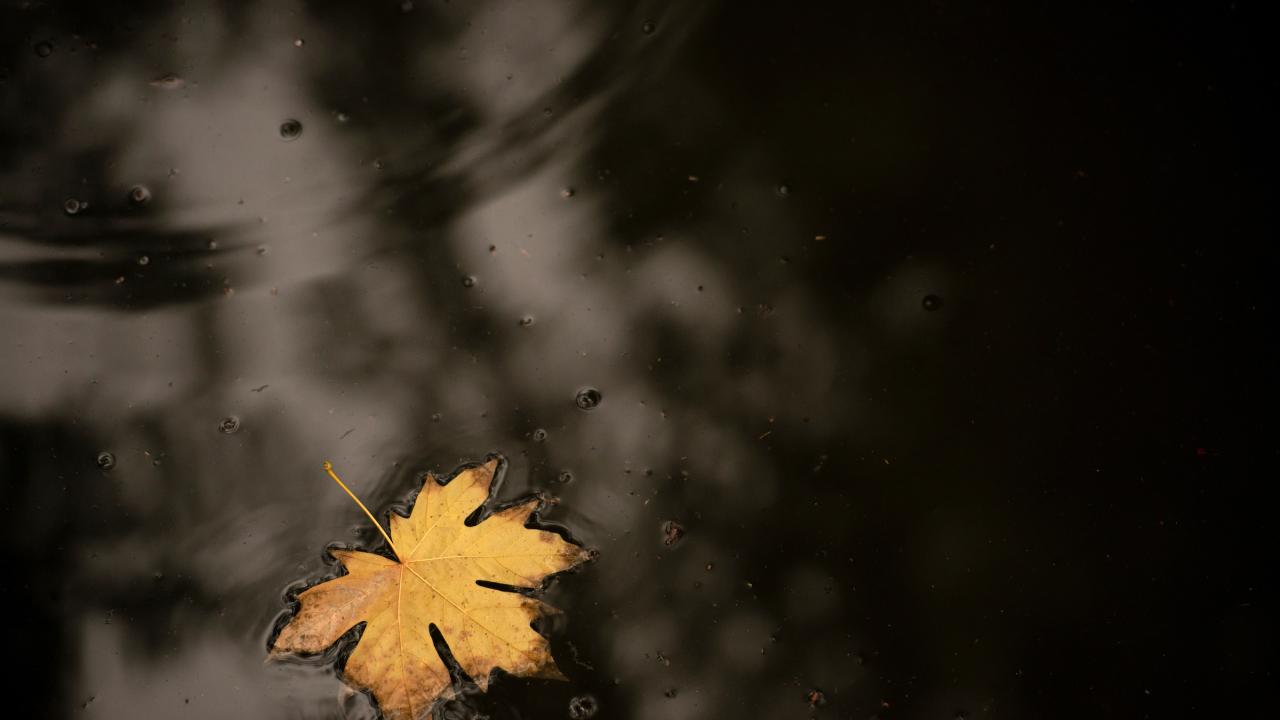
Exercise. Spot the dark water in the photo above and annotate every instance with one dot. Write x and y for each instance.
(943, 330)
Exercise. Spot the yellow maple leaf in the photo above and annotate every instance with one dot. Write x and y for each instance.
(433, 581)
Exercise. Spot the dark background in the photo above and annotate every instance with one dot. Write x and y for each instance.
(1039, 492)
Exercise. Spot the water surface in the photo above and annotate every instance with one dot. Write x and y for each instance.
(914, 318)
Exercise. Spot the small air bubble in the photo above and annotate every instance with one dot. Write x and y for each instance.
(211, 244)
(144, 260)
(567, 192)
(565, 477)
(299, 42)
(229, 424)
(263, 250)
(139, 195)
(784, 189)
(44, 49)
(72, 206)
(588, 398)
(436, 417)
(583, 707)
(526, 321)
(290, 129)
(539, 435)
(648, 27)
(344, 118)
(931, 302)
(106, 460)
(468, 281)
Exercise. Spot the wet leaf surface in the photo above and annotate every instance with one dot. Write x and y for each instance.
(435, 582)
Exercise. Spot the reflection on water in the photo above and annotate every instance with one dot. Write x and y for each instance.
(259, 237)
(679, 271)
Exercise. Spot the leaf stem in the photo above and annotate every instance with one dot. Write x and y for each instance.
(328, 467)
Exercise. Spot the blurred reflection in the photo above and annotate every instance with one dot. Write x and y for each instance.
(478, 212)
